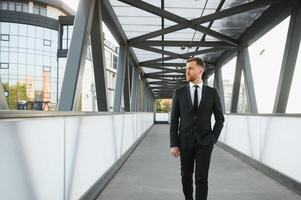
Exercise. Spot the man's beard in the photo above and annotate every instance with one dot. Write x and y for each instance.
(191, 79)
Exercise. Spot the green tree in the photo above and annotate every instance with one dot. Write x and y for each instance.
(158, 106)
(16, 92)
(162, 105)
(166, 106)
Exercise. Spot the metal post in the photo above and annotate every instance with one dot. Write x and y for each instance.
(97, 43)
(126, 85)
(218, 80)
(248, 78)
(236, 86)
(76, 55)
(288, 61)
(120, 78)
(134, 90)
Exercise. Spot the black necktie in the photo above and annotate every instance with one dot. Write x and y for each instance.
(195, 102)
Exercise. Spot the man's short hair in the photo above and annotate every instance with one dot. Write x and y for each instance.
(199, 61)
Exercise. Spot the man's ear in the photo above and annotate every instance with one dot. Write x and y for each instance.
(201, 70)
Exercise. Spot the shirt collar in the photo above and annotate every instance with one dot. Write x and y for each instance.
(200, 84)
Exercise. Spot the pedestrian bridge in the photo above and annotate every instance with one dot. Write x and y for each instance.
(119, 151)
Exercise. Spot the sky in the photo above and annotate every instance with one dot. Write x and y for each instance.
(72, 4)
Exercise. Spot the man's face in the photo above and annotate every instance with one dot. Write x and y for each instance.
(193, 71)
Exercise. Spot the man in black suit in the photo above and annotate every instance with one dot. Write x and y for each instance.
(193, 138)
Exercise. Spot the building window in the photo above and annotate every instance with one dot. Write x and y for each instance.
(14, 6)
(25, 7)
(4, 65)
(47, 42)
(4, 5)
(11, 6)
(39, 10)
(46, 68)
(66, 36)
(4, 37)
(36, 10)
(43, 11)
(19, 7)
(114, 62)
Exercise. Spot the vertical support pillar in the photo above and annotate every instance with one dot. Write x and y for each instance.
(126, 85)
(288, 61)
(97, 43)
(236, 86)
(218, 82)
(120, 78)
(76, 55)
(248, 78)
(134, 90)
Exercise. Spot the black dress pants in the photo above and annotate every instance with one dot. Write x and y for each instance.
(200, 155)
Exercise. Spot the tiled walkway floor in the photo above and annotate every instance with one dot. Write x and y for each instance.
(151, 173)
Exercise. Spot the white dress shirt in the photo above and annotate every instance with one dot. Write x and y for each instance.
(199, 91)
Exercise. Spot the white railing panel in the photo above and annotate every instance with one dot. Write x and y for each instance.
(60, 158)
(32, 159)
(272, 140)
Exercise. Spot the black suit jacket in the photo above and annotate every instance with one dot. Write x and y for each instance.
(195, 124)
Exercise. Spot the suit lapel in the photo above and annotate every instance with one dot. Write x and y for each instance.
(188, 96)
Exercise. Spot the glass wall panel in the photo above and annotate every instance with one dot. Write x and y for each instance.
(210, 81)
(243, 105)
(228, 71)
(266, 59)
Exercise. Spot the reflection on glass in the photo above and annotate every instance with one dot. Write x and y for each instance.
(4, 28)
(28, 64)
(4, 65)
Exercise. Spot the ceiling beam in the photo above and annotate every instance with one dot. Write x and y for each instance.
(183, 23)
(184, 55)
(167, 82)
(165, 75)
(167, 69)
(165, 72)
(172, 43)
(168, 79)
(163, 64)
(167, 64)
(155, 50)
(180, 20)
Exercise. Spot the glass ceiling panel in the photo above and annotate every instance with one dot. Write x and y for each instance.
(136, 22)
(153, 2)
(189, 13)
(190, 9)
(233, 3)
(184, 34)
(235, 25)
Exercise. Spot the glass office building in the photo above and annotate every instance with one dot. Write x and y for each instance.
(31, 69)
